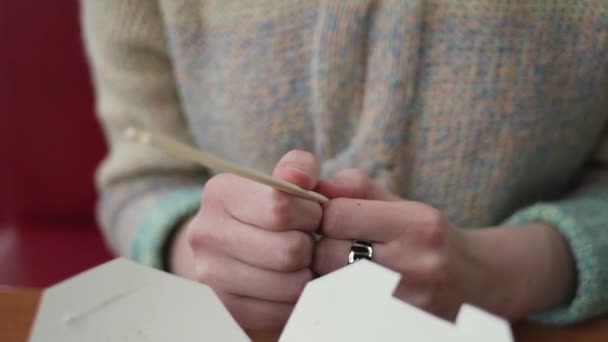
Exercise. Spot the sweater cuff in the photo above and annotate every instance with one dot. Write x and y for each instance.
(588, 300)
(156, 224)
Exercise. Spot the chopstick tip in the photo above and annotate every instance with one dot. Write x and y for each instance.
(133, 133)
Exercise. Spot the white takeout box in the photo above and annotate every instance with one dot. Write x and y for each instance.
(124, 301)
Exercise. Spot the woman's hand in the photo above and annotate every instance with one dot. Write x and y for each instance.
(510, 272)
(253, 244)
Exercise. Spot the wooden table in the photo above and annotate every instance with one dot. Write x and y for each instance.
(18, 307)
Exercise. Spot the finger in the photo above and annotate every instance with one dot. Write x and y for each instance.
(232, 276)
(253, 313)
(356, 219)
(420, 296)
(331, 255)
(288, 251)
(298, 167)
(353, 183)
(379, 221)
(412, 260)
(260, 205)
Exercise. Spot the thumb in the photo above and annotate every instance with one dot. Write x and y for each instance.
(298, 167)
(354, 183)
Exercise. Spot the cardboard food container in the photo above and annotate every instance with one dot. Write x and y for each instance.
(125, 301)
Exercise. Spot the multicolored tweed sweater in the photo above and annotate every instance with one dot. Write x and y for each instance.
(494, 111)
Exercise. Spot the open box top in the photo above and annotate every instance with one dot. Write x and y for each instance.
(124, 301)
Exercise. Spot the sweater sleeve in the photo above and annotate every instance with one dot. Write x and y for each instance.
(144, 193)
(582, 219)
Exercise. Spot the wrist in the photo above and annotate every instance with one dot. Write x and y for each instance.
(530, 268)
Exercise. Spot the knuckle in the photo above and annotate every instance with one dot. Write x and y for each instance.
(333, 217)
(203, 238)
(436, 272)
(200, 235)
(211, 197)
(192, 232)
(425, 303)
(278, 212)
(434, 237)
(358, 179)
(432, 232)
(205, 273)
(296, 252)
(192, 237)
(215, 183)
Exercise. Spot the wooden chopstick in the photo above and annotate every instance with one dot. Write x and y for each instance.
(184, 151)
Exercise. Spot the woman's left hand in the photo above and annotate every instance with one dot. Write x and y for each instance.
(441, 266)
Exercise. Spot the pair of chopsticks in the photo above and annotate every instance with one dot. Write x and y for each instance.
(184, 151)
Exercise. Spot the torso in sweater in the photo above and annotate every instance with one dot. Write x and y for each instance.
(476, 107)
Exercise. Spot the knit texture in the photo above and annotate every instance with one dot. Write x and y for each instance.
(481, 108)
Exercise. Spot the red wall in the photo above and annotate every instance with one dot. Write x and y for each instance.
(50, 142)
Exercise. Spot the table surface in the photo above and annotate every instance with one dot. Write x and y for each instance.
(18, 307)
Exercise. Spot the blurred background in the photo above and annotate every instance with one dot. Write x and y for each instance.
(50, 145)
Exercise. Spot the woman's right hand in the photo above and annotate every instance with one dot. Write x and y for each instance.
(253, 244)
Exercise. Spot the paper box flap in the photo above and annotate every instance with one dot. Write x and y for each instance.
(355, 303)
(124, 301)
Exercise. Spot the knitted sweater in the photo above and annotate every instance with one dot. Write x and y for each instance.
(495, 112)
